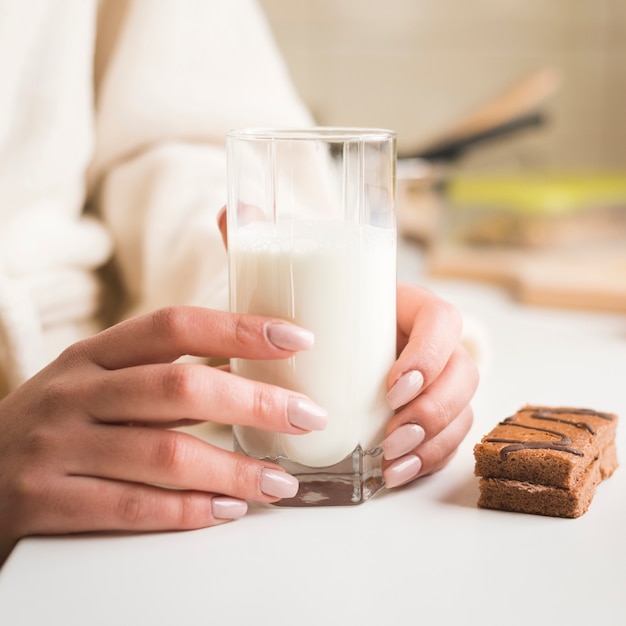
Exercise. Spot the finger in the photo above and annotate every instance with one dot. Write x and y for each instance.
(169, 393)
(429, 329)
(85, 504)
(435, 452)
(442, 401)
(246, 213)
(178, 460)
(169, 333)
(429, 456)
(440, 465)
(222, 225)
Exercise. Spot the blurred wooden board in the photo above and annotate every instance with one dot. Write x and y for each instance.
(591, 278)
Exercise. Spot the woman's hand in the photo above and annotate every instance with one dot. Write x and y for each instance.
(85, 444)
(431, 385)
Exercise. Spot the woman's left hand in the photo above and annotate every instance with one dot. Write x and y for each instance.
(430, 386)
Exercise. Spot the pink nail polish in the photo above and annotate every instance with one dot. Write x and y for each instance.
(402, 470)
(278, 484)
(223, 507)
(289, 337)
(405, 389)
(402, 440)
(305, 414)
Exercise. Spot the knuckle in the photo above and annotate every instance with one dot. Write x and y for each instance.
(74, 354)
(189, 513)
(169, 322)
(432, 351)
(172, 454)
(26, 494)
(40, 444)
(440, 449)
(241, 477)
(59, 394)
(181, 382)
(244, 333)
(180, 510)
(55, 395)
(263, 404)
(132, 508)
(27, 486)
(435, 411)
(437, 453)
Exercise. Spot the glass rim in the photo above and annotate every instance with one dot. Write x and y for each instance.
(325, 133)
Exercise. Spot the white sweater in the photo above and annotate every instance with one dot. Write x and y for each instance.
(120, 107)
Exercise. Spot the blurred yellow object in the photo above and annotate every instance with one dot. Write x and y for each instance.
(537, 209)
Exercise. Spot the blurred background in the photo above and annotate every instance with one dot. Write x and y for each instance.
(419, 65)
(511, 123)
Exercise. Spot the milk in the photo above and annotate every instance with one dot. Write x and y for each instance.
(338, 280)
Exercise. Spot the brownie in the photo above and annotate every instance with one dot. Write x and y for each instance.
(546, 461)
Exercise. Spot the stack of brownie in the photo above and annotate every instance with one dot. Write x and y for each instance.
(546, 461)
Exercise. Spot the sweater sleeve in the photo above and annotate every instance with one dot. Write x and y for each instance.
(178, 76)
(49, 294)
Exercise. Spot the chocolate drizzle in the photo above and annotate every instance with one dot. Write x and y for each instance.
(568, 411)
(545, 415)
(563, 442)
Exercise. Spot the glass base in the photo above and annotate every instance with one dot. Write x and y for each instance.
(353, 480)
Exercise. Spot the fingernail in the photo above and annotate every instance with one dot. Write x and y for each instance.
(405, 389)
(278, 484)
(289, 336)
(402, 470)
(228, 508)
(402, 440)
(305, 414)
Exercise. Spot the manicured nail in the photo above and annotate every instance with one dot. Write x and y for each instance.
(289, 336)
(405, 389)
(228, 508)
(402, 440)
(305, 414)
(402, 470)
(278, 484)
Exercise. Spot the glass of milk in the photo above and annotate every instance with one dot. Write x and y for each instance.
(312, 240)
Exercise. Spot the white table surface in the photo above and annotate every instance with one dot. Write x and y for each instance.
(421, 554)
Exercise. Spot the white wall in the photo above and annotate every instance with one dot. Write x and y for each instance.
(418, 65)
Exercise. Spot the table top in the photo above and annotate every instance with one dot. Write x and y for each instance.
(423, 553)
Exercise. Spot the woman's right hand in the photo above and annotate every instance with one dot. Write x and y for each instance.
(87, 445)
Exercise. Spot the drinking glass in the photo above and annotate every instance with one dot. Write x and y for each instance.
(312, 240)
